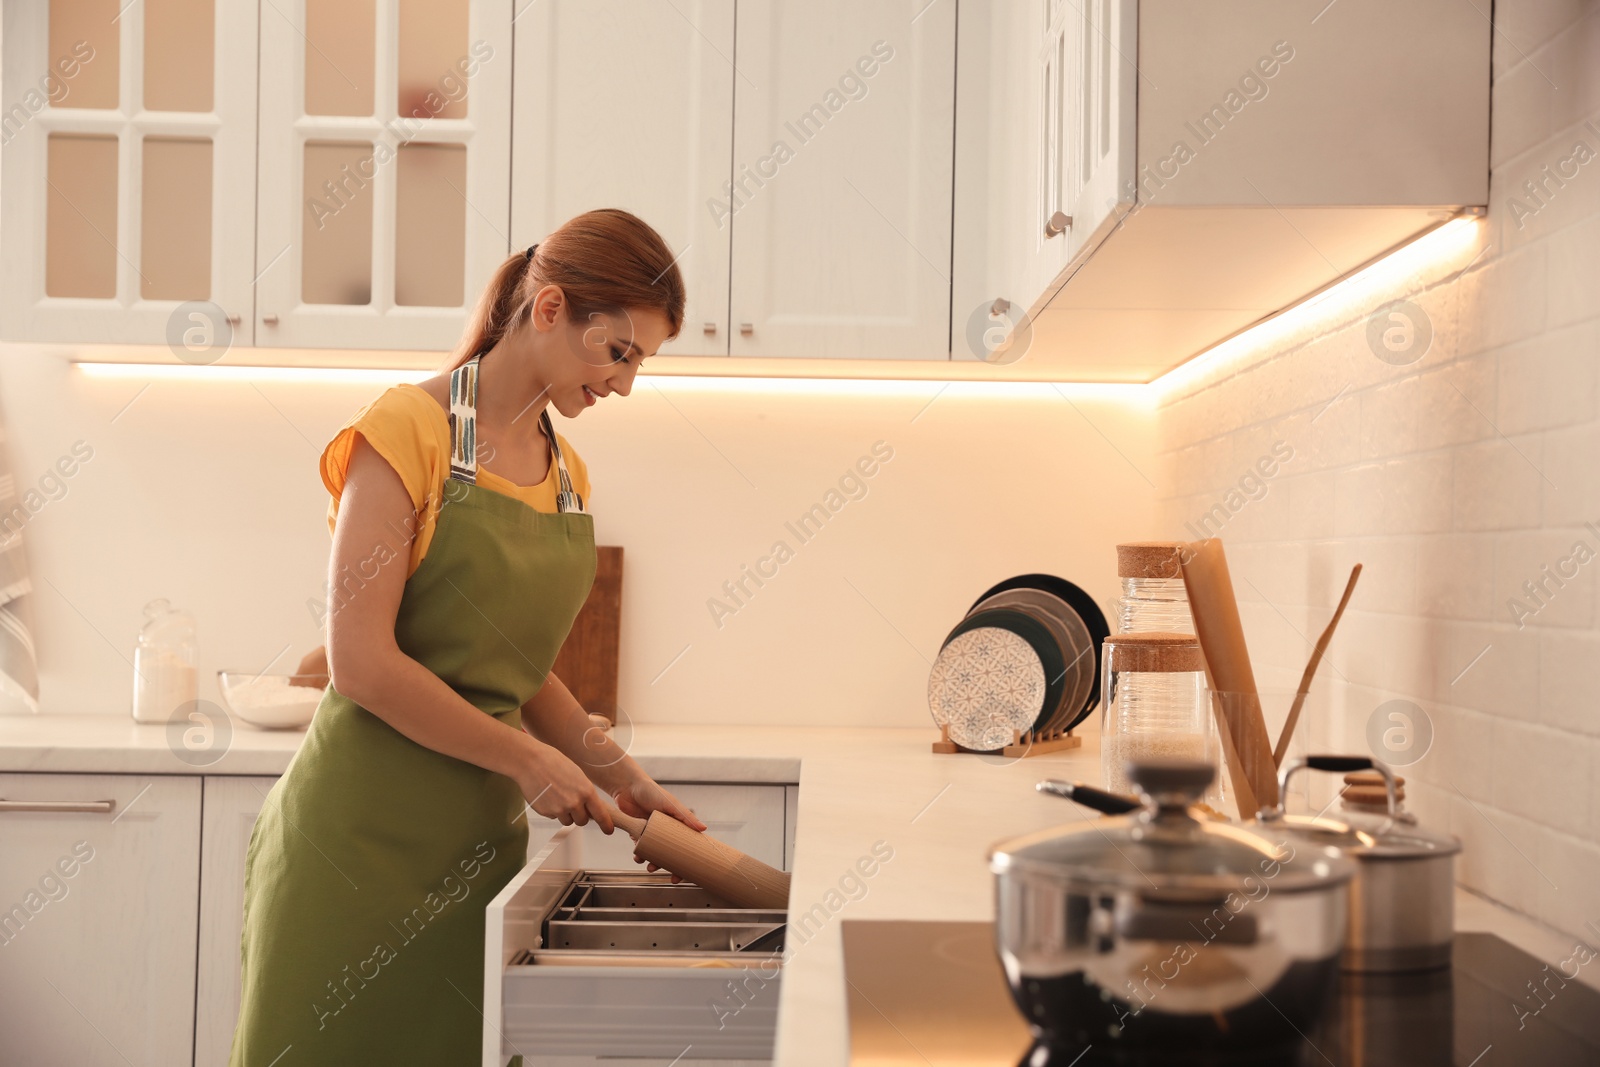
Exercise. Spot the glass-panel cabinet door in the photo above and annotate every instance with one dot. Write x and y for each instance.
(384, 169)
(127, 157)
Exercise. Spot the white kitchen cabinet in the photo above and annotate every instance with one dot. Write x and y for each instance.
(840, 206)
(129, 150)
(1045, 154)
(99, 882)
(231, 807)
(748, 817)
(385, 169)
(629, 105)
(1218, 162)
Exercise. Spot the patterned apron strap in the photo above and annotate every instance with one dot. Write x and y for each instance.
(464, 437)
(567, 499)
(464, 422)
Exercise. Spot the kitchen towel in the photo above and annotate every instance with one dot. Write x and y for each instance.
(19, 669)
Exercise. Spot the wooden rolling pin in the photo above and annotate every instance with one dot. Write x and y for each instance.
(1216, 624)
(705, 861)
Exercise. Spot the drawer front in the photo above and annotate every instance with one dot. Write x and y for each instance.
(640, 1013)
(99, 888)
(658, 1013)
(748, 817)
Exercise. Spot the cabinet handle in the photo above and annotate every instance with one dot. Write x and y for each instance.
(747, 328)
(233, 318)
(269, 319)
(98, 807)
(1057, 224)
(711, 329)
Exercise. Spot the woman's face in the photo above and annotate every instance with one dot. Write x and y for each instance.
(586, 361)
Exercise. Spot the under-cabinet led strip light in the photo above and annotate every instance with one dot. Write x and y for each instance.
(1355, 294)
(1350, 296)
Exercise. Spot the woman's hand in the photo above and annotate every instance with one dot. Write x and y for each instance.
(644, 795)
(557, 789)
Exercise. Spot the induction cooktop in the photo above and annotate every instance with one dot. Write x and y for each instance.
(932, 993)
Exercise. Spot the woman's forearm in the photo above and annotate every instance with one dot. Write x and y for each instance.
(555, 717)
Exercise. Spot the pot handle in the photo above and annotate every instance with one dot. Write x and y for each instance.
(1335, 765)
(1090, 797)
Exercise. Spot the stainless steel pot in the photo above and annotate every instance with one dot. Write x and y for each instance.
(1153, 931)
(1402, 904)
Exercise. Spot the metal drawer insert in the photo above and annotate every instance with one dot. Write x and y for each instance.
(626, 964)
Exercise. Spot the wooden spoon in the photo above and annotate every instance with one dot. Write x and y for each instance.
(1311, 669)
(705, 861)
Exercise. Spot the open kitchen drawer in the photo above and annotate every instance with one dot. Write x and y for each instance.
(582, 964)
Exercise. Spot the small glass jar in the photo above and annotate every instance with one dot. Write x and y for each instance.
(166, 663)
(1154, 599)
(1153, 704)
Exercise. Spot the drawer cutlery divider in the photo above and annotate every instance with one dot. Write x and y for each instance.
(644, 913)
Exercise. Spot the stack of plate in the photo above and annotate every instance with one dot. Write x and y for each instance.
(1025, 659)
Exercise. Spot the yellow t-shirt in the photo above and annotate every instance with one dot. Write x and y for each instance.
(409, 429)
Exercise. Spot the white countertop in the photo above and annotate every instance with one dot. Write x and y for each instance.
(858, 788)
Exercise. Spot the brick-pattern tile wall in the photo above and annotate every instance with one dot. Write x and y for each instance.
(1454, 479)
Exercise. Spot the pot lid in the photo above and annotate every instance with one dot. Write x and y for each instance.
(1399, 837)
(1165, 850)
(1393, 834)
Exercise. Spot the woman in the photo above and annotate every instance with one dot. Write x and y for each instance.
(454, 585)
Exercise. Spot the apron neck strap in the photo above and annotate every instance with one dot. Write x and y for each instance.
(464, 436)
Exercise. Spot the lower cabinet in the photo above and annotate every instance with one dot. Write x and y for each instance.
(231, 807)
(102, 877)
(749, 817)
(99, 886)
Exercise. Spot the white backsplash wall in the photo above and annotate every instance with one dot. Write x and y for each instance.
(1454, 479)
(206, 492)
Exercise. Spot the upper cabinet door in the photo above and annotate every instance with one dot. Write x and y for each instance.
(630, 105)
(840, 200)
(127, 129)
(1092, 137)
(385, 169)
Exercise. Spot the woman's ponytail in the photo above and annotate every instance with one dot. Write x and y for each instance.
(607, 261)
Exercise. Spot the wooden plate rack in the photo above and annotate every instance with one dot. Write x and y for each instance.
(1023, 743)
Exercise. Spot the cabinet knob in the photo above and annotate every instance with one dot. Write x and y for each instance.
(747, 328)
(711, 329)
(1057, 224)
(270, 319)
(233, 318)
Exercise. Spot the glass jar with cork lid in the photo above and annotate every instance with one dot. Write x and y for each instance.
(1153, 705)
(1154, 599)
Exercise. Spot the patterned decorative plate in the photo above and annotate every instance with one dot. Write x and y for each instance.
(1070, 635)
(1088, 611)
(986, 685)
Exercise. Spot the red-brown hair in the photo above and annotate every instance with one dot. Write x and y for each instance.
(607, 261)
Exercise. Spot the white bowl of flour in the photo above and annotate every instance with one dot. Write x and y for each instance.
(269, 701)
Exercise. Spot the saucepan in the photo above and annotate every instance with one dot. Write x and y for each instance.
(1155, 930)
(1402, 903)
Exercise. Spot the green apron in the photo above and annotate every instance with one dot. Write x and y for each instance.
(374, 857)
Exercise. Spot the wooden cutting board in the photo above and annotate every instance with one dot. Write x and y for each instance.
(588, 662)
